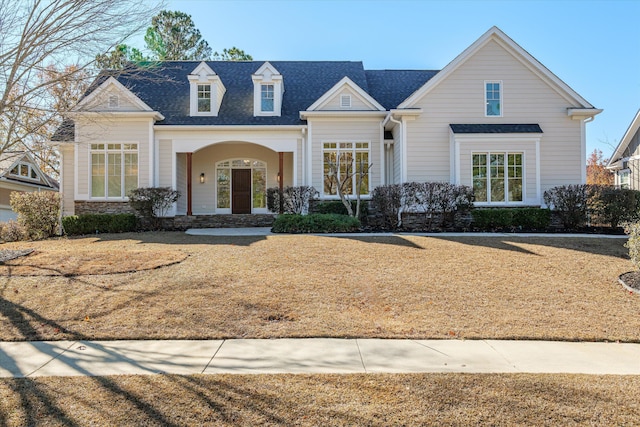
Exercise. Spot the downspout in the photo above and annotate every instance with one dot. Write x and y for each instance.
(390, 118)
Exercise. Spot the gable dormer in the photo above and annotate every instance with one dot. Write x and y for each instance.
(205, 91)
(346, 96)
(268, 89)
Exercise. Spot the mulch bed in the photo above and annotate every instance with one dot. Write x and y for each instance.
(632, 280)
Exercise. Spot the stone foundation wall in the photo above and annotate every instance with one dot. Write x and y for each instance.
(183, 222)
(94, 207)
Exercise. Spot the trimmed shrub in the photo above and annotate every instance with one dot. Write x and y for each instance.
(99, 223)
(38, 212)
(570, 203)
(315, 223)
(386, 201)
(633, 244)
(613, 206)
(295, 200)
(12, 231)
(511, 218)
(152, 203)
(338, 208)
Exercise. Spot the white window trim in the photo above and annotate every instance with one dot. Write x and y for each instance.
(106, 151)
(273, 93)
(618, 177)
(198, 98)
(343, 98)
(217, 91)
(338, 141)
(30, 169)
(506, 178)
(267, 74)
(501, 97)
(251, 167)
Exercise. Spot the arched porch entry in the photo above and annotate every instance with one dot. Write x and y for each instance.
(231, 178)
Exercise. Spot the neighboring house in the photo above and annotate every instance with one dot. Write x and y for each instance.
(19, 172)
(625, 160)
(223, 132)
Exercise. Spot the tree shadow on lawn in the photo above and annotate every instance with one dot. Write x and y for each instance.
(596, 246)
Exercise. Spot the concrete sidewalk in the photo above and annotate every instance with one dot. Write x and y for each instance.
(314, 355)
(266, 231)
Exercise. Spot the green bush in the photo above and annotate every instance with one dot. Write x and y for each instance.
(511, 218)
(38, 212)
(570, 203)
(338, 208)
(99, 223)
(613, 206)
(315, 223)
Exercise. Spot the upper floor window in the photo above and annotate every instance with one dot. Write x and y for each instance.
(204, 98)
(493, 99)
(624, 178)
(24, 170)
(114, 169)
(266, 97)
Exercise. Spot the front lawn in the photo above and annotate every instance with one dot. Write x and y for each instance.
(317, 286)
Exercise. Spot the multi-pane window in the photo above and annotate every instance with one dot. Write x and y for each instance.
(624, 177)
(493, 99)
(346, 164)
(266, 98)
(24, 170)
(114, 169)
(497, 177)
(258, 182)
(204, 98)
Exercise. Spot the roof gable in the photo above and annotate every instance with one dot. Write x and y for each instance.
(12, 159)
(626, 140)
(99, 98)
(496, 35)
(345, 87)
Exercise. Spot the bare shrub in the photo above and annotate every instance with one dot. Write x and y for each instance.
(38, 212)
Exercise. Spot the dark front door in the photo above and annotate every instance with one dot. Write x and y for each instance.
(241, 191)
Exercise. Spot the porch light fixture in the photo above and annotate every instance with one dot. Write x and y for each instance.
(202, 178)
(278, 177)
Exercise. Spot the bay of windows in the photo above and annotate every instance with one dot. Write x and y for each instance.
(114, 169)
(350, 159)
(497, 177)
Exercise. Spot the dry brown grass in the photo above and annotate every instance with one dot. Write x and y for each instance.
(322, 400)
(316, 286)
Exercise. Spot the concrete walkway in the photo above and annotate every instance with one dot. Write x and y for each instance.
(314, 355)
(266, 231)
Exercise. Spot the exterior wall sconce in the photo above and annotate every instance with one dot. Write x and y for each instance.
(278, 177)
(202, 178)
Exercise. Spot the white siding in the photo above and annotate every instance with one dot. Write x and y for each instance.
(526, 99)
(165, 163)
(67, 179)
(357, 103)
(181, 183)
(354, 129)
(106, 130)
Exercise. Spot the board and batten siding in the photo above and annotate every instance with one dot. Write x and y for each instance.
(526, 99)
(105, 131)
(346, 130)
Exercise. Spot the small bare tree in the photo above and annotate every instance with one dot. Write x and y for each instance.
(34, 34)
(341, 172)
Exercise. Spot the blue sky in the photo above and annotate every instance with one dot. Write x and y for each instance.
(593, 46)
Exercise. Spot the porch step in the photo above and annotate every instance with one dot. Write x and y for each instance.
(183, 222)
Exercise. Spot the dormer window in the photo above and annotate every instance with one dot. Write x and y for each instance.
(24, 170)
(206, 91)
(267, 91)
(204, 98)
(266, 98)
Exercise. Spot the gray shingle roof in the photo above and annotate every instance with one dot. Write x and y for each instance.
(496, 128)
(165, 88)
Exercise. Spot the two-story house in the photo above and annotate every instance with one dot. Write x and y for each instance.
(222, 132)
